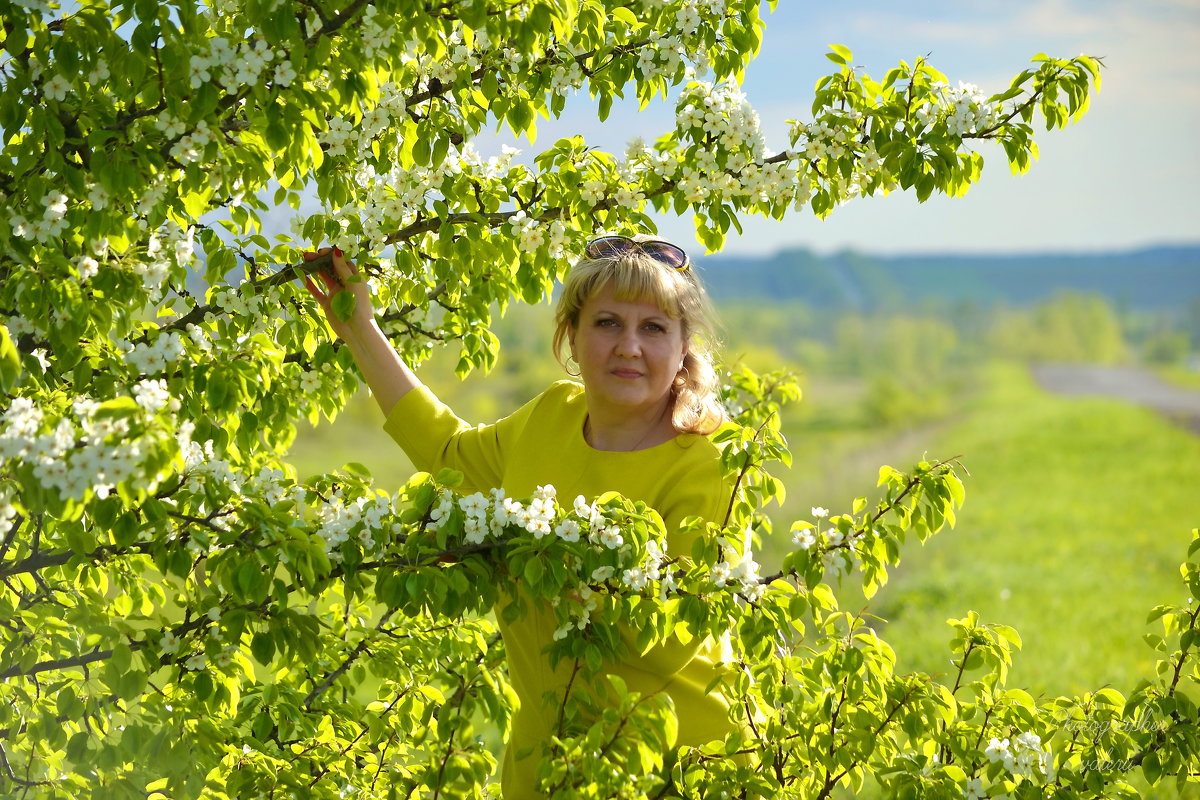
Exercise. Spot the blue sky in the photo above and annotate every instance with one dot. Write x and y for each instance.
(1125, 177)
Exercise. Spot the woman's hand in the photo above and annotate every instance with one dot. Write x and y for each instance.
(381, 366)
(342, 279)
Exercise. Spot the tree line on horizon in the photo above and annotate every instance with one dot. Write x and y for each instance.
(1166, 278)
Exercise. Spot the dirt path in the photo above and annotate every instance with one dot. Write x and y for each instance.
(1135, 385)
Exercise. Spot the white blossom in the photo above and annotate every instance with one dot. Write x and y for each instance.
(310, 381)
(634, 578)
(199, 71)
(151, 395)
(602, 574)
(753, 592)
(835, 560)
(88, 267)
(567, 530)
(581, 506)
(99, 73)
(284, 74)
(804, 538)
(57, 88)
(611, 537)
(475, 504)
(997, 750)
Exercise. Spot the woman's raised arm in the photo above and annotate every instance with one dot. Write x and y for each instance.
(385, 372)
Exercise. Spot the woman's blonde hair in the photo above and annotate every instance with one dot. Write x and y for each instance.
(695, 405)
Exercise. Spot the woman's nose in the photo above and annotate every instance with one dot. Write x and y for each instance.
(628, 344)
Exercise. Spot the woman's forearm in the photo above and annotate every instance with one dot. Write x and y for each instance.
(383, 369)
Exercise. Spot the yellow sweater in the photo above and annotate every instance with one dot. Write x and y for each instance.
(542, 443)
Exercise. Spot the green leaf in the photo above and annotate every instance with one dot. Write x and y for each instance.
(262, 647)
(248, 577)
(117, 408)
(219, 391)
(131, 684)
(77, 747)
(179, 562)
(357, 468)
(421, 150)
(203, 687)
(262, 725)
(624, 15)
(839, 54)
(520, 117)
(10, 362)
(534, 570)
(1152, 767)
(343, 305)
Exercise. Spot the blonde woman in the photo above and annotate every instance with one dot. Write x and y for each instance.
(633, 330)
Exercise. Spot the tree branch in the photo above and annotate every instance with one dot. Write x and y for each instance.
(350, 658)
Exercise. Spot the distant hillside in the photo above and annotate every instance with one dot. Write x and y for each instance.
(1160, 277)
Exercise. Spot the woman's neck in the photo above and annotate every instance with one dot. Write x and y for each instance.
(624, 433)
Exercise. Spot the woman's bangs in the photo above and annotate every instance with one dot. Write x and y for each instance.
(640, 278)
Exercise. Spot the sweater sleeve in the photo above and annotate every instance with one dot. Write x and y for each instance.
(435, 438)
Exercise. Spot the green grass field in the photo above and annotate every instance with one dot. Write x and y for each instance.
(1078, 514)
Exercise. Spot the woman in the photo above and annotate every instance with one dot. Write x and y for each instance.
(634, 319)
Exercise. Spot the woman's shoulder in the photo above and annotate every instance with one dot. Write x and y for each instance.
(563, 391)
(556, 405)
(555, 395)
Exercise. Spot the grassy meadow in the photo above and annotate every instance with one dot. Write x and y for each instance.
(1078, 514)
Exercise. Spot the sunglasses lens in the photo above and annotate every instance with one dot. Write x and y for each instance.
(609, 247)
(667, 254)
(664, 253)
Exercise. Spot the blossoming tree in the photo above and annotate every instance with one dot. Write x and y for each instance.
(181, 615)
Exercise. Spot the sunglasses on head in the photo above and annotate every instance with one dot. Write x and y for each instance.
(664, 253)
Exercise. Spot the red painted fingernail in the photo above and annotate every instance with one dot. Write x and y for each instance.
(337, 252)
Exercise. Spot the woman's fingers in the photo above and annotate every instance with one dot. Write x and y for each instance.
(328, 275)
(343, 266)
(313, 290)
(334, 277)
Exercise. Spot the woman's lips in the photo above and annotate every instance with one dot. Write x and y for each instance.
(629, 374)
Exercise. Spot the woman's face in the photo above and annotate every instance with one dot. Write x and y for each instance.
(628, 352)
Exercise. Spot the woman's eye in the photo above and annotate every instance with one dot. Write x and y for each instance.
(606, 323)
(655, 327)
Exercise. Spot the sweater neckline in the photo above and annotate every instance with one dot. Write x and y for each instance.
(581, 440)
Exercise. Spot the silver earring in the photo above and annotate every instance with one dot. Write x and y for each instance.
(567, 367)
